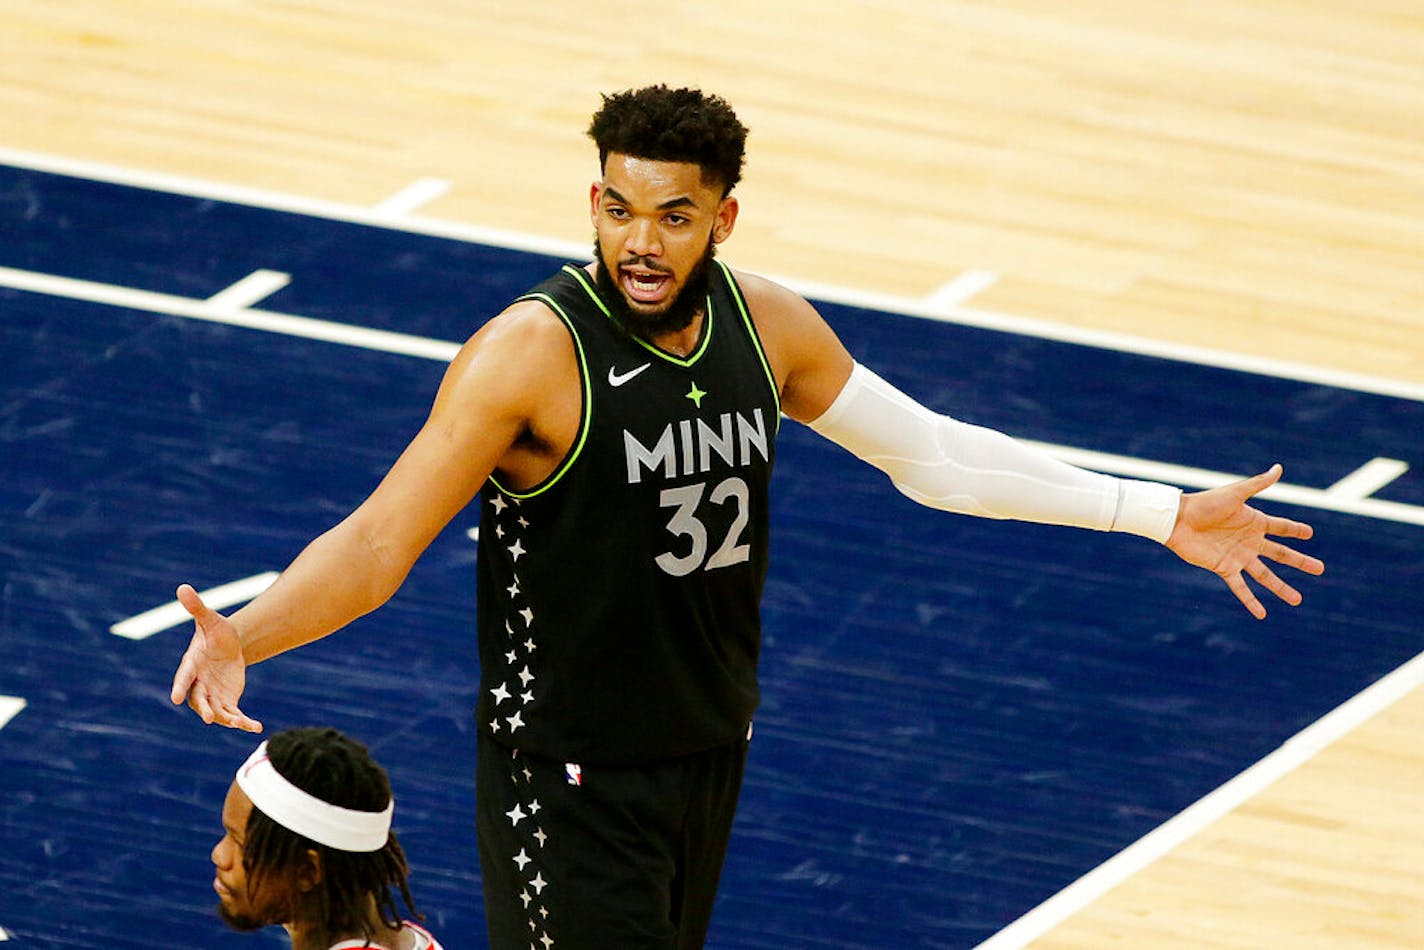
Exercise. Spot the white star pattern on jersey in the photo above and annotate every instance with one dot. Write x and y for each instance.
(519, 657)
(500, 504)
(524, 817)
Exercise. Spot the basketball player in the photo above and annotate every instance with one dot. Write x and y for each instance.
(619, 423)
(307, 843)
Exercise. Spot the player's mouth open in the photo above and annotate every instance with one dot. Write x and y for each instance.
(646, 286)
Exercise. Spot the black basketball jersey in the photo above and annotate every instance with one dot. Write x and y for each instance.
(619, 599)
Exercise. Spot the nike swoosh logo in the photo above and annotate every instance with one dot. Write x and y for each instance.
(616, 379)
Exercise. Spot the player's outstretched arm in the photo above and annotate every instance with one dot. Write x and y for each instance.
(486, 401)
(944, 463)
(1217, 530)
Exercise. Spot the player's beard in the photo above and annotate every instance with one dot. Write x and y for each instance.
(675, 315)
(241, 912)
(242, 921)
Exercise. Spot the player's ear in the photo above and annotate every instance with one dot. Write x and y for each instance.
(309, 871)
(595, 192)
(726, 220)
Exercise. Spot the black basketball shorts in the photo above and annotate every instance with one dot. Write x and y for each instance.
(578, 857)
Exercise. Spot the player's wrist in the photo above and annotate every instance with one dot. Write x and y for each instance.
(1148, 509)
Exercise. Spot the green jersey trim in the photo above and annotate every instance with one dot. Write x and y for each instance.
(581, 275)
(587, 385)
(755, 337)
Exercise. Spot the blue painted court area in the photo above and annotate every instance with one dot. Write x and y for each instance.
(960, 717)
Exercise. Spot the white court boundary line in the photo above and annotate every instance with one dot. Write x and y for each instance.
(1148, 849)
(10, 707)
(1349, 495)
(1368, 477)
(375, 216)
(951, 296)
(218, 309)
(144, 625)
(256, 286)
(1293, 753)
(419, 192)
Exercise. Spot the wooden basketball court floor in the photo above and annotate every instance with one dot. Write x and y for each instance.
(1235, 184)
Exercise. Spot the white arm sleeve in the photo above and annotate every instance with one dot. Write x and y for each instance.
(944, 463)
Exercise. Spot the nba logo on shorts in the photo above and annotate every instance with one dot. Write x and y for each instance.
(574, 773)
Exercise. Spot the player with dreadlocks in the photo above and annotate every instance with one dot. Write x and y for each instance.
(308, 844)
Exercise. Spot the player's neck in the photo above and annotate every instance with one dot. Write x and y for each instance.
(681, 342)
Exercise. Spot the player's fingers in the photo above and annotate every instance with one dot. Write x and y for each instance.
(193, 603)
(1268, 579)
(237, 719)
(1256, 484)
(1292, 558)
(1237, 584)
(228, 714)
(198, 702)
(182, 681)
(1286, 528)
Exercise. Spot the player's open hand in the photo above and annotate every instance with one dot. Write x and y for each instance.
(1218, 531)
(212, 673)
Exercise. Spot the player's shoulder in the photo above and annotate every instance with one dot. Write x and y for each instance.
(530, 317)
(806, 356)
(511, 360)
(527, 328)
(761, 290)
(782, 316)
(424, 939)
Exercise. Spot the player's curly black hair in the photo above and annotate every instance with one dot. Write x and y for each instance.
(673, 125)
(337, 769)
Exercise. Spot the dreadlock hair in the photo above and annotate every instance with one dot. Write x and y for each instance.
(673, 125)
(339, 770)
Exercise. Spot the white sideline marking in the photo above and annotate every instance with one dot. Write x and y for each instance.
(953, 295)
(1368, 478)
(578, 250)
(276, 201)
(1327, 499)
(256, 286)
(10, 707)
(419, 192)
(144, 625)
(290, 324)
(1294, 752)
(408, 345)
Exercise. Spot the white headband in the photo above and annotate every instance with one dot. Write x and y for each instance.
(344, 829)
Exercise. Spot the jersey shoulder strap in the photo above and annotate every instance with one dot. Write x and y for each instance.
(569, 292)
